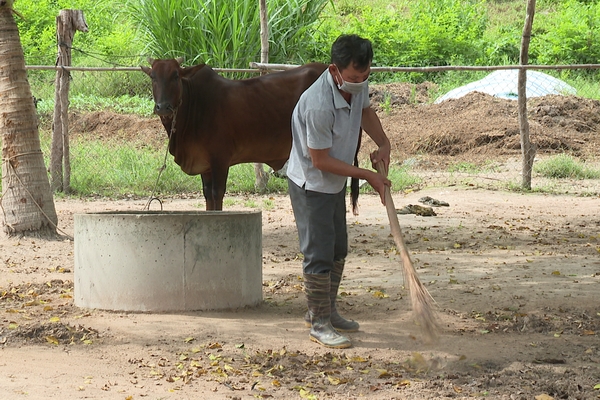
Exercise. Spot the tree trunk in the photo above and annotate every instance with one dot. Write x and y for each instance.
(528, 149)
(26, 202)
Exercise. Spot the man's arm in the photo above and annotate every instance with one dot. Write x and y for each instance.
(323, 161)
(372, 126)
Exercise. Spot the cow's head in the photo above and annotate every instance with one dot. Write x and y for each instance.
(166, 84)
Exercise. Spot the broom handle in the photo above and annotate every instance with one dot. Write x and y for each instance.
(394, 223)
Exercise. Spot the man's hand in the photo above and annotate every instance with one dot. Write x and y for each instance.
(382, 154)
(379, 183)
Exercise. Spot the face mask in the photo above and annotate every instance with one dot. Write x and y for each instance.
(352, 87)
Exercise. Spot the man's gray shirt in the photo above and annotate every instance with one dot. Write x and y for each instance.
(323, 119)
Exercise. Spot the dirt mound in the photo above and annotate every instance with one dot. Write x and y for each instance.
(475, 128)
(480, 127)
(384, 97)
(111, 126)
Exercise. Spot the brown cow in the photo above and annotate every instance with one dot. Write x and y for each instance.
(221, 122)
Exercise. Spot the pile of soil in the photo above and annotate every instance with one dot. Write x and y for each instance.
(475, 128)
(480, 127)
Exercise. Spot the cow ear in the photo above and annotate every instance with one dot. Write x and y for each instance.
(147, 70)
(179, 60)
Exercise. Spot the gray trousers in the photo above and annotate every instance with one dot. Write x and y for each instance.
(321, 223)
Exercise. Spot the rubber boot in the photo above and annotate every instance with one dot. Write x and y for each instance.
(340, 323)
(319, 309)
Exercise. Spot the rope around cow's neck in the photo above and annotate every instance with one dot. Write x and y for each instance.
(164, 165)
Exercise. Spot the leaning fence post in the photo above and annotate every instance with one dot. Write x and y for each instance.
(67, 23)
(527, 148)
(262, 179)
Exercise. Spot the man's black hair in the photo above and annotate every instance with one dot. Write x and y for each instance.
(351, 49)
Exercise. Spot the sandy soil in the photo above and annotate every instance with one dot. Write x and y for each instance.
(516, 279)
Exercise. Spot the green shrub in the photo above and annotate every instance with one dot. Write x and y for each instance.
(110, 36)
(111, 40)
(568, 35)
(420, 33)
(225, 33)
(502, 46)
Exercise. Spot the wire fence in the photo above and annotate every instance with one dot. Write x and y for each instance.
(467, 136)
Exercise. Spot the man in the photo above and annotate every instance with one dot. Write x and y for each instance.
(326, 125)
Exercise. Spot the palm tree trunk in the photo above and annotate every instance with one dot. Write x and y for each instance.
(26, 202)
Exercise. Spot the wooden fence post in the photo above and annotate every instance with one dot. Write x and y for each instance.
(67, 23)
(528, 149)
(262, 179)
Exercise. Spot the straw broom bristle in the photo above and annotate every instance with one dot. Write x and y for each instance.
(423, 303)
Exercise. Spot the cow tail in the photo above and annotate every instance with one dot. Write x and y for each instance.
(354, 182)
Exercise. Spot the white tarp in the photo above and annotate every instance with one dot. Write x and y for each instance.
(504, 84)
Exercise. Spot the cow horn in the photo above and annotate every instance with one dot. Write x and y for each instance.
(151, 60)
(179, 60)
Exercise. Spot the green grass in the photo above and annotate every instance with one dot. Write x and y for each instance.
(465, 167)
(125, 104)
(268, 204)
(472, 168)
(224, 33)
(565, 166)
(399, 175)
(229, 202)
(117, 169)
(402, 178)
(251, 204)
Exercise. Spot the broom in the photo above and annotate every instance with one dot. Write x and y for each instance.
(422, 302)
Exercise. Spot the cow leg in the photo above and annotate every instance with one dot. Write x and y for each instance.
(207, 190)
(219, 183)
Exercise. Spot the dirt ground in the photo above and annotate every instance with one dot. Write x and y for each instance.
(515, 276)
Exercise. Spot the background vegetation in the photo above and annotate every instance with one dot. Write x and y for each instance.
(225, 33)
